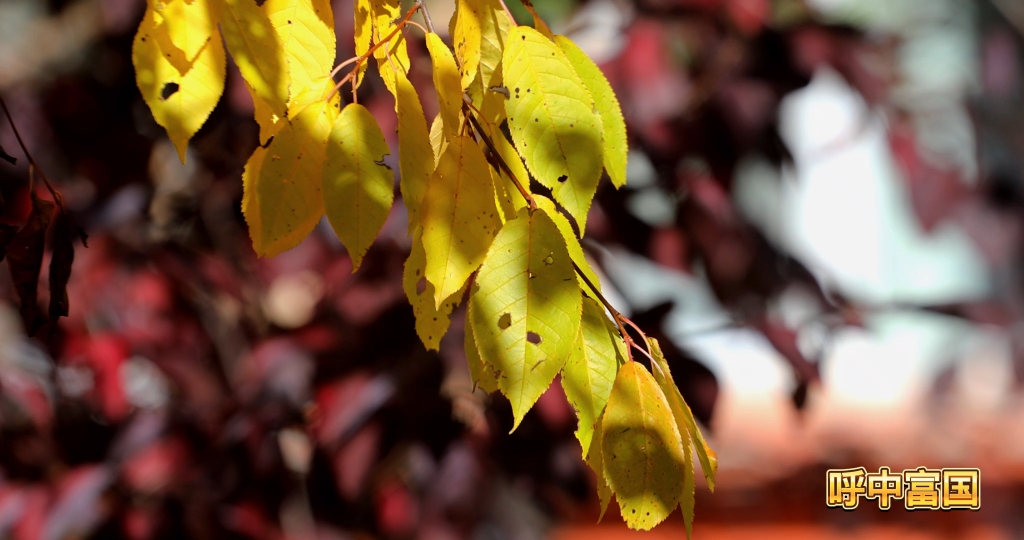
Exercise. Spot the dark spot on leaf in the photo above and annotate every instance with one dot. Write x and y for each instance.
(533, 337)
(421, 285)
(563, 178)
(505, 321)
(169, 90)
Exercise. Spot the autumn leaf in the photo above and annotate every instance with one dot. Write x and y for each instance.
(431, 321)
(466, 38)
(64, 234)
(256, 48)
(306, 30)
(481, 374)
(447, 83)
(525, 308)
(415, 153)
(589, 372)
(358, 186)
(25, 260)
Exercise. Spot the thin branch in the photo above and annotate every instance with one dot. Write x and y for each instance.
(507, 12)
(31, 161)
(501, 161)
(426, 15)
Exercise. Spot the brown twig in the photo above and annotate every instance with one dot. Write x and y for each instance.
(359, 60)
(501, 161)
(426, 15)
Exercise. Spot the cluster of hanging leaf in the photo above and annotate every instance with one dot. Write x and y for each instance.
(478, 231)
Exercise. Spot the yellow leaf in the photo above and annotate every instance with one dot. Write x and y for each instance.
(179, 103)
(515, 164)
(494, 28)
(588, 375)
(539, 23)
(613, 126)
(288, 191)
(264, 116)
(491, 97)
(447, 83)
(552, 120)
(437, 140)
(525, 308)
(393, 56)
(683, 416)
(306, 29)
(251, 210)
(415, 153)
(595, 459)
(481, 374)
(571, 242)
(258, 52)
(431, 322)
(358, 186)
(687, 500)
(317, 90)
(459, 217)
(183, 28)
(363, 33)
(642, 449)
(466, 38)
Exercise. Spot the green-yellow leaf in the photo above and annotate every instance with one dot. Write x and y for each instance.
(466, 38)
(257, 50)
(482, 375)
(571, 242)
(613, 125)
(363, 32)
(358, 186)
(431, 322)
(538, 22)
(306, 29)
(687, 501)
(684, 416)
(588, 375)
(251, 210)
(595, 459)
(447, 83)
(494, 27)
(515, 164)
(551, 117)
(642, 449)
(288, 191)
(183, 29)
(415, 152)
(179, 103)
(525, 310)
(392, 56)
(458, 216)
(437, 140)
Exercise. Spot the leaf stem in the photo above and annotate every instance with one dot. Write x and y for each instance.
(497, 156)
(363, 57)
(507, 12)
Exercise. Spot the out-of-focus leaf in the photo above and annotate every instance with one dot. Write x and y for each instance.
(7, 233)
(642, 449)
(64, 234)
(7, 157)
(25, 259)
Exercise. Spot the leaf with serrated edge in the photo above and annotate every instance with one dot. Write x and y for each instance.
(551, 117)
(447, 83)
(466, 38)
(257, 50)
(642, 449)
(431, 322)
(613, 126)
(458, 216)
(683, 415)
(363, 33)
(588, 375)
(525, 310)
(415, 154)
(571, 242)
(482, 374)
(179, 103)
(358, 186)
(595, 459)
(393, 56)
(288, 191)
(306, 29)
(183, 30)
(687, 500)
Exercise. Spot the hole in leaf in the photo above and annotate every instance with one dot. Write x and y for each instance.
(563, 178)
(505, 321)
(169, 90)
(533, 337)
(421, 285)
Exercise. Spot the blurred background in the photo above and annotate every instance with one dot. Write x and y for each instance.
(823, 224)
